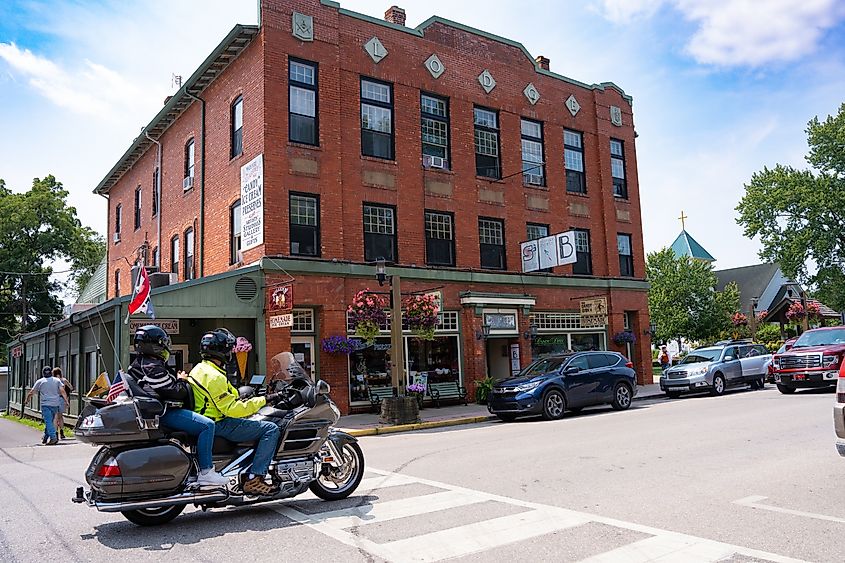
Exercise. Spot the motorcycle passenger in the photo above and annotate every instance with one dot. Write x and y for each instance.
(215, 397)
(152, 344)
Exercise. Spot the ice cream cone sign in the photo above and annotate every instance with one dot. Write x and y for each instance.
(241, 350)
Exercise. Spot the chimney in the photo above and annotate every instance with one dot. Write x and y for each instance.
(542, 62)
(396, 15)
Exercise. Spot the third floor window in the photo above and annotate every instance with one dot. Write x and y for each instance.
(573, 156)
(302, 87)
(533, 169)
(379, 233)
(188, 178)
(174, 255)
(617, 168)
(137, 208)
(487, 162)
(626, 255)
(237, 127)
(189, 255)
(434, 115)
(584, 265)
(304, 225)
(235, 233)
(376, 119)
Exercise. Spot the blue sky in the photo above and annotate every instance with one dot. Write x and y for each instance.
(721, 88)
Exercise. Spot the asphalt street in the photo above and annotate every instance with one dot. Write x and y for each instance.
(750, 476)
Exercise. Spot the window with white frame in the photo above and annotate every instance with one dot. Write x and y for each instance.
(584, 263)
(376, 119)
(573, 156)
(379, 233)
(533, 169)
(617, 169)
(491, 238)
(439, 238)
(302, 104)
(434, 117)
(303, 321)
(487, 164)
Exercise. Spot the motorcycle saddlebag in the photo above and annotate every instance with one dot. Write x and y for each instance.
(118, 423)
(133, 471)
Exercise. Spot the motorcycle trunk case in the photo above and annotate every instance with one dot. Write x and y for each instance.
(146, 470)
(120, 423)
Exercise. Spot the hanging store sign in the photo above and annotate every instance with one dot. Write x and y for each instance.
(280, 298)
(252, 203)
(548, 252)
(281, 321)
(17, 351)
(170, 326)
(594, 312)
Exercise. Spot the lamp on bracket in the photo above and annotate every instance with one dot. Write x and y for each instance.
(651, 330)
(531, 333)
(484, 333)
(381, 272)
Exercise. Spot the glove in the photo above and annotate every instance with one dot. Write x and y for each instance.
(288, 398)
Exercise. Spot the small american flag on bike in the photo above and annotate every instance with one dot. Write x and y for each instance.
(117, 387)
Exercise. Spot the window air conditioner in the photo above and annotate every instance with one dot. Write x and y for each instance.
(434, 161)
(187, 183)
(533, 179)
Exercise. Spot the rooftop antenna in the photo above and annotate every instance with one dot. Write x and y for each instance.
(176, 81)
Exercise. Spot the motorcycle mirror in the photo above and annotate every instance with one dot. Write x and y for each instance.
(323, 388)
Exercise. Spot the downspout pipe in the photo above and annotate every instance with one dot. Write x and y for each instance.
(202, 182)
(157, 195)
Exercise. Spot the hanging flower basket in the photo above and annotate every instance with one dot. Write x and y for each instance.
(421, 314)
(366, 314)
(761, 316)
(739, 319)
(795, 312)
(340, 345)
(813, 310)
(624, 337)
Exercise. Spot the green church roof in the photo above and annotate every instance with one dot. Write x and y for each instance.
(685, 245)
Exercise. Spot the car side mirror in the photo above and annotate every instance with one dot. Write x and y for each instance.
(571, 369)
(728, 358)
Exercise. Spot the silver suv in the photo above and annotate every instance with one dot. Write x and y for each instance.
(718, 367)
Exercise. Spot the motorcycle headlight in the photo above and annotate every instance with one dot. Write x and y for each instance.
(525, 387)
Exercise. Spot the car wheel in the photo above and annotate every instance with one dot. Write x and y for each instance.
(554, 405)
(621, 397)
(673, 395)
(506, 417)
(786, 390)
(718, 385)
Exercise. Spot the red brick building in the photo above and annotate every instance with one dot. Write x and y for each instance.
(440, 148)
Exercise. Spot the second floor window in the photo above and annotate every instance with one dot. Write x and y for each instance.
(117, 283)
(434, 116)
(487, 143)
(302, 92)
(118, 216)
(626, 255)
(536, 231)
(189, 254)
(137, 208)
(439, 239)
(376, 119)
(304, 225)
(237, 127)
(617, 168)
(533, 170)
(155, 257)
(573, 156)
(379, 233)
(235, 232)
(491, 238)
(584, 265)
(155, 192)
(189, 165)
(174, 255)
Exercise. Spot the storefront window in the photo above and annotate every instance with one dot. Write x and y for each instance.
(571, 342)
(369, 367)
(434, 361)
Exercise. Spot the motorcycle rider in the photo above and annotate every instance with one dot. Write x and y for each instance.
(215, 398)
(152, 344)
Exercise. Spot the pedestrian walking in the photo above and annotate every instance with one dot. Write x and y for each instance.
(52, 391)
(664, 358)
(63, 408)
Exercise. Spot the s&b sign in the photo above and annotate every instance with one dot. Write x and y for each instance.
(547, 252)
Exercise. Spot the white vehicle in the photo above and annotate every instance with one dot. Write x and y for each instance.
(716, 368)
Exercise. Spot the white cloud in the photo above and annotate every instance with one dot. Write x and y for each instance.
(742, 32)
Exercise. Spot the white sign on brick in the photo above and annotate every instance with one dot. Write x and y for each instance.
(252, 203)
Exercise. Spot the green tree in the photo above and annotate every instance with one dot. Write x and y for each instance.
(799, 215)
(38, 228)
(683, 301)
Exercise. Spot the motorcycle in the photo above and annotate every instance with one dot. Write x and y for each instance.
(146, 472)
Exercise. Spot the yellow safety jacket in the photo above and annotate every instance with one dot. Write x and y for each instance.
(215, 397)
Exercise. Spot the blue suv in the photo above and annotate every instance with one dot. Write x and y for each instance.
(554, 384)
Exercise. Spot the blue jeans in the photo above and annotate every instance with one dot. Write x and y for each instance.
(194, 424)
(49, 414)
(243, 430)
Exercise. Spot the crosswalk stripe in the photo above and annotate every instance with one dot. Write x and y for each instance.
(391, 510)
(479, 536)
(665, 547)
(384, 481)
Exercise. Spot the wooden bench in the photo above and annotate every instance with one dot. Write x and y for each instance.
(377, 394)
(447, 391)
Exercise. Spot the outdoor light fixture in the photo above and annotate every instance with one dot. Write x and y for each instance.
(484, 333)
(652, 328)
(531, 333)
(381, 275)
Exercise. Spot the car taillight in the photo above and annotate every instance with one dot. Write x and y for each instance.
(630, 365)
(109, 469)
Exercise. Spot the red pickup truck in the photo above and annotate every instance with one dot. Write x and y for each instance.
(813, 361)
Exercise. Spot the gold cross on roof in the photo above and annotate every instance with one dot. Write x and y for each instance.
(683, 218)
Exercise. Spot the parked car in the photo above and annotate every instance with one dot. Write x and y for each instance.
(839, 411)
(785, 347)
(813, 361)
(554, 384)
(716, 368)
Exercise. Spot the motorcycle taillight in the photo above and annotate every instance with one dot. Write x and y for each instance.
(109, 469)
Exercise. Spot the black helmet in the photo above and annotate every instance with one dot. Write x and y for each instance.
(151, 340)
(217, 344)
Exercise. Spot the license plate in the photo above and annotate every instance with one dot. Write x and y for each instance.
(799, 377)
(677, 388)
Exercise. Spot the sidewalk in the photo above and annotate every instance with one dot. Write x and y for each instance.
(430, 417)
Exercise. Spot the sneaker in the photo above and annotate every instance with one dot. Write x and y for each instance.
(44, 440)
(211, 477)
(258, 486)
(62, 433)
(53, 442)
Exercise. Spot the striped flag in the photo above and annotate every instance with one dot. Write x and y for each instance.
(117, 387)
(141, 296)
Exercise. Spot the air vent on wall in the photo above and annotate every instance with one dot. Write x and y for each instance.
(246, 289)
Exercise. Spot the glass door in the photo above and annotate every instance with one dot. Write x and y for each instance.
(303, 352)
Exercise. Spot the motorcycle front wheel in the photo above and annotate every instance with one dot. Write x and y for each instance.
(336, 483)
(153, 516)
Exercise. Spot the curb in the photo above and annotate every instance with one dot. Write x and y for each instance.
(418, 426)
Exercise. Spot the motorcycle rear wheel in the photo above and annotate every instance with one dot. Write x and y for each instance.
(153, 516)
(341, 482)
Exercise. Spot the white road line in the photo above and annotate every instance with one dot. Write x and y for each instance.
(666, 547)
(479, 536)
(384, 481)
(754, 502)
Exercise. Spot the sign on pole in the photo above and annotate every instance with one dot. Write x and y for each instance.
(280, 299)
(252, 203)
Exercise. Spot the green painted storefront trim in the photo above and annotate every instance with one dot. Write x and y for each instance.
(419, 31)
(349, 269)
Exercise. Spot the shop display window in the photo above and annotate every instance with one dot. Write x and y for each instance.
(369, 367)
(434, 361)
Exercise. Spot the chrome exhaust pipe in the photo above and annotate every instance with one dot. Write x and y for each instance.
(182, 498)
